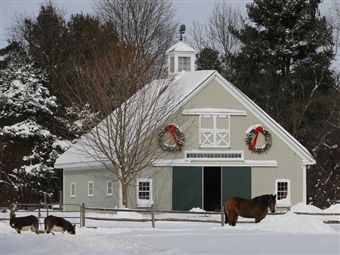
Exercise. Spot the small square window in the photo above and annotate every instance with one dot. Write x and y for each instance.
(109, 188)
(90, 189)
(73, 189)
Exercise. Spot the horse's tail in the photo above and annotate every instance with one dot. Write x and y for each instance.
(225, 215)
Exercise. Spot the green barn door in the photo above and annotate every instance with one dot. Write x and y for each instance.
(186, 187)
(236, 182)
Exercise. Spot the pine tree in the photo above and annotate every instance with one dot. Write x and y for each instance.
(284, 66)
(208, 59)
(28, 149)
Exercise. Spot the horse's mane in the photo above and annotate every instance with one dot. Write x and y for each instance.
(264, 200)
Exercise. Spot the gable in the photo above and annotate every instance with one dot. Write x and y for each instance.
(218, 94)
(209, 91)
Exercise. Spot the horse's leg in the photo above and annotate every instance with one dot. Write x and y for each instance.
(259, 217)
(230, 217)
(225, 216)
(235, 219)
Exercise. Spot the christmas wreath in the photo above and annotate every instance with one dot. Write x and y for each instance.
(177, 137)
(252, 135)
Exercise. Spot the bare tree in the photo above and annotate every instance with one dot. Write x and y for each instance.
(125, 141)
(217, 34)
(147, 25)
(222, 21)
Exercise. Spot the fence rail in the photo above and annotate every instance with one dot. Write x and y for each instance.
(43, 210)
(150, 211)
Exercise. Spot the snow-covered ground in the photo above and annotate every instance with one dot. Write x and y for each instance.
(279, 234)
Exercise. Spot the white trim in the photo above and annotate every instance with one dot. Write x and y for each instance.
(64, 191)
(202, 181)
(88, 188)
(144, 202)
(120, 196)
(75, 189)
(284, 202)
(304, 184)
(89, 165)
(214, 111)
(107, 188)
(217, 162)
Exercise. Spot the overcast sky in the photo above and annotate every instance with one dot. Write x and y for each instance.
(188, 11)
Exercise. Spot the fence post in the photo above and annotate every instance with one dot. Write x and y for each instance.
(82, 215)
(153, 215)
(39, 213)
(222, 216)
(45, 200)
(60, 200)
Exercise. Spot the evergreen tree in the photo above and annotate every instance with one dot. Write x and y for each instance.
(284, 66)
(208, 59)
(28, 149)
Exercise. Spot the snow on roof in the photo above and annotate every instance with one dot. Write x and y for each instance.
(180, 47)
(182, 85)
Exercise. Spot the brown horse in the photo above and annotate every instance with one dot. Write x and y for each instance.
(249, 208)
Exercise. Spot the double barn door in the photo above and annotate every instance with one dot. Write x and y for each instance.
(208, 187)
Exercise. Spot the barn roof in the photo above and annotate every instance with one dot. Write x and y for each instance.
(186, 85)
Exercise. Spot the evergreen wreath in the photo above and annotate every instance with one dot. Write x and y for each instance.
(251, 139)
(177, 136)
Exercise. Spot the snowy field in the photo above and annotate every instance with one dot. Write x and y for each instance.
(279, 234)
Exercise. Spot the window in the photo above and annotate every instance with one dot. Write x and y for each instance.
(144, 192)
(283, 191)
(172, 65)
(109, 188)
(90, 188)
(72, 189)
(214, 131)
(184, 64)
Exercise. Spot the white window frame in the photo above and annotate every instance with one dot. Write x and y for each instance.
(172, 64)
(215, 132)
(184, 66)
(71, 189)
(107, 188)
(144, 202)
(88, 189)
(286, 201)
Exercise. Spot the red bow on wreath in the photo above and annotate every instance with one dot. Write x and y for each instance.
(172, 129)
(258, 130)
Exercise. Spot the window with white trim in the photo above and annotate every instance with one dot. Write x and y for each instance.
(282, 187)
(172, 64)
(184, 64)
(144, 192)
(90, 188)
(72, 189)
(109, 188)
(214, 131)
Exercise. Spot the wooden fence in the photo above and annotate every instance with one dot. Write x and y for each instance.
(152, 212)
(153, 219)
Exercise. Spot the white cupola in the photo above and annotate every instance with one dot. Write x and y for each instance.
(181, 57)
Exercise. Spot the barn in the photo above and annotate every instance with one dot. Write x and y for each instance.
(226, 145)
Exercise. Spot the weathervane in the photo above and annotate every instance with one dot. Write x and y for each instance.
(181, 32)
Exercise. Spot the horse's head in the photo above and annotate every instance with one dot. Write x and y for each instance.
(272, 203)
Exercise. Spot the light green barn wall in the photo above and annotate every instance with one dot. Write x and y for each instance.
(263, 179)
(162, 187)
(81, 178)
